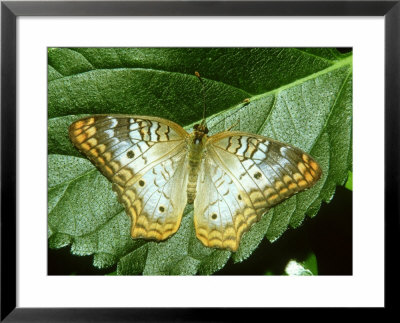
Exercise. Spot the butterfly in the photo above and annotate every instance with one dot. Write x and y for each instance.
(156, 168)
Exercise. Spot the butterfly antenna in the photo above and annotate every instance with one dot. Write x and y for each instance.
(204, 97)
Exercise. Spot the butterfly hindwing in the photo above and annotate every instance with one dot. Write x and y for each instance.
(156, 201)
(223, 210)
(143, 157)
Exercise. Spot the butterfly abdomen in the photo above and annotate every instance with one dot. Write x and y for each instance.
(191, 188)
(194, 167)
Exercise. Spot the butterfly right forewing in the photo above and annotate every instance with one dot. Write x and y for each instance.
(276, 169)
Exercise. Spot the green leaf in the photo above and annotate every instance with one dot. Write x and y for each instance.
(299, 96)
(349, 182)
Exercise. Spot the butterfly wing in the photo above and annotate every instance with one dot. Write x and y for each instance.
(221, 214)
(144, 158)
(246, 175)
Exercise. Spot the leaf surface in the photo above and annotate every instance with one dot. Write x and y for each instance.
(299, 96)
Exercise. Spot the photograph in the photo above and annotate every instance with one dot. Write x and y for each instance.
(197, 160)
(170, 161)
(200, 161)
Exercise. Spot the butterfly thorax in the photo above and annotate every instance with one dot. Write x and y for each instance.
(196, 144)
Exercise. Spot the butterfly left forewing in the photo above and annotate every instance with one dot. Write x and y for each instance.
(262, 172)
(124, 147)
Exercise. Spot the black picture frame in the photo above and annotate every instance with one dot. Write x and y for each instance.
(10, 10)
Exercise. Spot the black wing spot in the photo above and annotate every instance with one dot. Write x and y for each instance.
(141, 183)
(257, 175)
(214, 216)
(130, 154)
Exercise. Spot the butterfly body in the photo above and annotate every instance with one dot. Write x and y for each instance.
(232, 178)
(196, 152)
